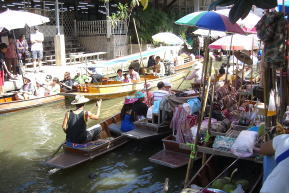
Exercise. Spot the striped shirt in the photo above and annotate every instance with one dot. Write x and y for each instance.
(159, 94)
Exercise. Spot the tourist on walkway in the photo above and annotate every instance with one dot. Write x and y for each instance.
(36, 39)
(127, 115)
(133, 75)
(119, 76)
(22, 47)
(11, 56)
(3, 67)
(75, 122)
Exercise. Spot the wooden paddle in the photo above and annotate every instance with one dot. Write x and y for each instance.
(183, 80)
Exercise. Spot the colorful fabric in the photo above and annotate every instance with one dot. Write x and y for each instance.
(223, 143)
(270, 29)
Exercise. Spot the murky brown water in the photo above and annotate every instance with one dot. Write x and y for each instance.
(29, 137)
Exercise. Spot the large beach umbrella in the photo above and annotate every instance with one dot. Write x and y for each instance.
(168, 38)
(210, 20)
(212, 33)
(236, 42)
(11, 19)
(247, 24)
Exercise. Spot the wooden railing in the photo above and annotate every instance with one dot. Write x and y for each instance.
(101, 27)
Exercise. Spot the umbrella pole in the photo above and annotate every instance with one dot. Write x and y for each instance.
(228, 62)
(139, 46)
(205, 94)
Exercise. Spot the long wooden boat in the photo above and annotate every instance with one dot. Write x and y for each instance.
(78, 153)
(8, 103)
(172, 155)
(114, 89)
(216, 167)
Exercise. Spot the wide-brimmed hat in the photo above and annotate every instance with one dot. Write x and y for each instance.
(79, 99)
(139, 95)
(129, 100)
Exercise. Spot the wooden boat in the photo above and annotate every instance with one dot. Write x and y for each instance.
(216, 167)
(114, 89)
(171, 156)
(8, 103)
(73, 155)
(143, 131)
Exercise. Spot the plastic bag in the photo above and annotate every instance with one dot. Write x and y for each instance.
(195, 104)
(244, 144)
(272, 104)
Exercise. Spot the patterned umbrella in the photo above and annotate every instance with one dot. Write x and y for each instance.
(210, 20)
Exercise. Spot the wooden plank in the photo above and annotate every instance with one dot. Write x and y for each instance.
(66, 160)
(170, 159)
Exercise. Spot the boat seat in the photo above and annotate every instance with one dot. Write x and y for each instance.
(115, 128)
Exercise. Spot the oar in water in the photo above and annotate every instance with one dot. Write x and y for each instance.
(57, 150)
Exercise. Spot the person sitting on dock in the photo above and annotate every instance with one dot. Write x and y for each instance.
(27, 90)
(139, 107)
(160, 68)
(133, 74)
(127, 115)
(75, 122)
(119, 77)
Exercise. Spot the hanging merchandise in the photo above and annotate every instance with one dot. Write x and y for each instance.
(272, 105)
(270, 29)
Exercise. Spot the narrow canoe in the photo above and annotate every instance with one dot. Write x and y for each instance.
(10, 104)
(114, 89)
(80, 153)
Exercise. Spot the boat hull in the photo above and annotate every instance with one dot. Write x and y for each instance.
(118, 90)
(13, 106)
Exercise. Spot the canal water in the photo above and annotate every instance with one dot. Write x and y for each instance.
(29, 137)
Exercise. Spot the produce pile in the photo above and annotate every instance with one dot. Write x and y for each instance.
(229, 184)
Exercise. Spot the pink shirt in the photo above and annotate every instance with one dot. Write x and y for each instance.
(11, 51)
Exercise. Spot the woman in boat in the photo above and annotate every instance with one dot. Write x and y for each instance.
(27, 90)
(151, 61)
(126, 78)
(160, 68)
(40, 91)
(3, 67)
(67, 82)
(119, 77)
(75, 122)
(133, 74)
(54, 87)
(127, 115)
(277, 181)
(139, 107)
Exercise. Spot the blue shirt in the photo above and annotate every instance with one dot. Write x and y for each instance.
(127, 123)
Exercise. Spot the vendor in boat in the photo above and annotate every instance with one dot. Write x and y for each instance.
(75, 122)
(160, 68)
(27, 90)
(3, 67)
(133, 75)
(67, 82)
(139, 107)
(127, 114)
(119, 77)
(196, 75)
(277, 181)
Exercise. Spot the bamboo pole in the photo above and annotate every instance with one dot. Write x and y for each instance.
(139, 46)
(228, 62)
(205, 94)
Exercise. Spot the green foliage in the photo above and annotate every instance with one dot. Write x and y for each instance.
(152, 21)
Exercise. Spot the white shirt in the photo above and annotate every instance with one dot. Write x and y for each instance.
(162, 69)
(159, 94)
(37, 46)
(196, 76)
(277, 181)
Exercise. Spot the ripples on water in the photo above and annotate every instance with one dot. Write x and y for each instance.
(29, 137)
